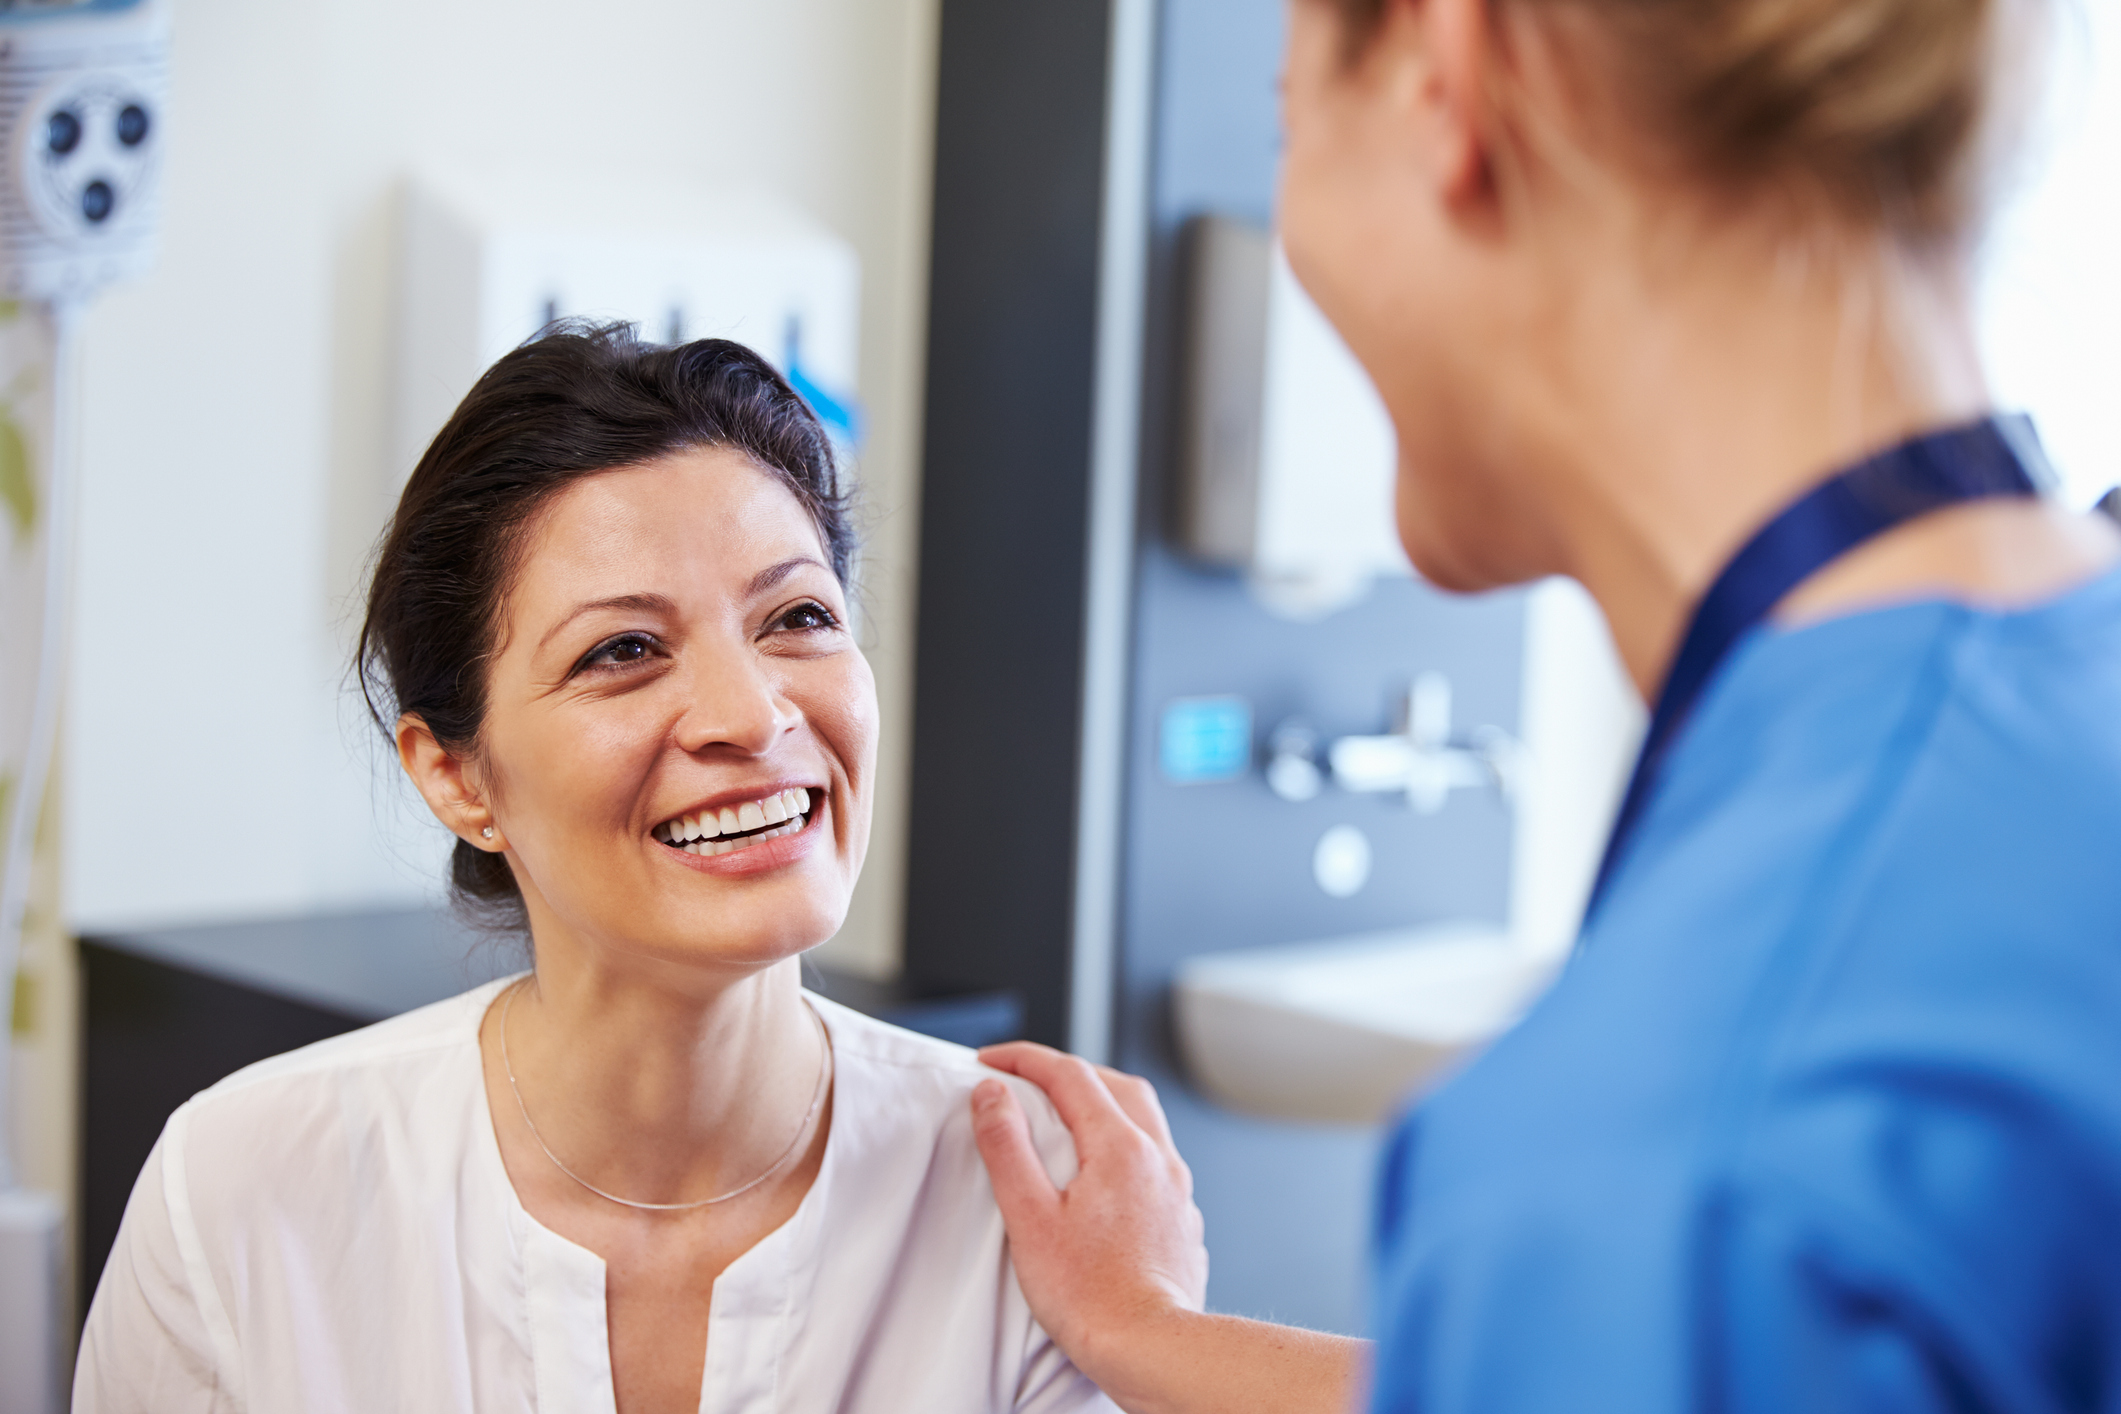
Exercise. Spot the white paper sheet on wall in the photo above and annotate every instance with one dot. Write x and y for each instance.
(2050, 307)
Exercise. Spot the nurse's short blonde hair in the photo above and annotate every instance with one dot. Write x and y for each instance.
(1878, 107)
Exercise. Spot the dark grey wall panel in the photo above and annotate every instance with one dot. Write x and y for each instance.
(1011, 354)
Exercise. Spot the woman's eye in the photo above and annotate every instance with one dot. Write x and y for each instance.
(618, 653)
(804, 617)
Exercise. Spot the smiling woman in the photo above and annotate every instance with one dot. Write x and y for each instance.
(607, 634)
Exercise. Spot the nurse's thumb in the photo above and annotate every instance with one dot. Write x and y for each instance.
(1022, 1188)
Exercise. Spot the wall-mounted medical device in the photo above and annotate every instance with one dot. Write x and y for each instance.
(82, 89)
(489, 260)
(1288, 457)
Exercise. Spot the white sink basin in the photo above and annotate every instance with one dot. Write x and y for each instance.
(1343, 1031)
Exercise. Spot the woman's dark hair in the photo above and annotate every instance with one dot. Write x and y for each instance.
(574, 401)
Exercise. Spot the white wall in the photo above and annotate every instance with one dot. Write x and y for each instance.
(237, 402)
(2051, 299)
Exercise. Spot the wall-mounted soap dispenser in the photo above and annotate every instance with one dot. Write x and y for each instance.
(1287, 456)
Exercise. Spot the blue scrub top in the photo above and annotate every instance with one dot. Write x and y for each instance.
(1825, 1114)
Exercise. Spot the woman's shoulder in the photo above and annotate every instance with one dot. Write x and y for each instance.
(924, 1086)
(376, 1051)
(410, 1082)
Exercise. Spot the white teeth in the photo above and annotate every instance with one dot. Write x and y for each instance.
(766, 819)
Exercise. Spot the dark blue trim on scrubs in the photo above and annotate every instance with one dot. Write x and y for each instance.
(1948, 468)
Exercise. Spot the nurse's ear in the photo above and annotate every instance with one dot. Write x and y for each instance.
(449, 784)
(1434, 63)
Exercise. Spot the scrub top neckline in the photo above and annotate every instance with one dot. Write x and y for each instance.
(1977, 461)
(2103, 582)
(522, 1224)
(2081, 596)
(1776, 648)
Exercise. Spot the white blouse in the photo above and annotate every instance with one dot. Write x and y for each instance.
(333, 1230)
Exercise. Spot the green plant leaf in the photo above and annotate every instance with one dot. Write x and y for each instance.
(17, 491)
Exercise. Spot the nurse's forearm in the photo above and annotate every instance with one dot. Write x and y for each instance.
(1188, 1362)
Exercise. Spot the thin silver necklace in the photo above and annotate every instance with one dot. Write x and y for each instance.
(824, 1076)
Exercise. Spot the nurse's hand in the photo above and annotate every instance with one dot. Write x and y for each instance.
(1114, 1265)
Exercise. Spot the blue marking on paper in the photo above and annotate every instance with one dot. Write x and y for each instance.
(841, 415)
(1205, 739)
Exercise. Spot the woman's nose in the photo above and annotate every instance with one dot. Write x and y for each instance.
(735, 703)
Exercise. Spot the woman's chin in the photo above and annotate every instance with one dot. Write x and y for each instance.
(754, 934)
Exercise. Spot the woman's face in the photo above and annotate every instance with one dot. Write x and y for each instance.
(1388, 224)
(680, 729)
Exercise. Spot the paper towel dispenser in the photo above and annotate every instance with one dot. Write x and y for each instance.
(1288, 456)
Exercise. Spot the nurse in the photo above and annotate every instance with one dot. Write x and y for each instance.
(1671, 296)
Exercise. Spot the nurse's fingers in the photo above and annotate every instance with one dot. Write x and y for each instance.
(1086, 1106)
(1085, 1095)
(1138, 1098)
(1023, 1190)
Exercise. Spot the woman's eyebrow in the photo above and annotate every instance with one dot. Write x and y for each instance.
(766, 578)
(639, 603)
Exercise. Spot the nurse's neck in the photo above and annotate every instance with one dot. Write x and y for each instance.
(1718, 387)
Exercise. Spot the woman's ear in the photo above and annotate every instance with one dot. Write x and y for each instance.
(446, 783)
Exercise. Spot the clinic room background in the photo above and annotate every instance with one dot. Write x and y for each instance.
(1019, 257)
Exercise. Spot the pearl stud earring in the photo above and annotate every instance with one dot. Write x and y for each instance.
(486, 833)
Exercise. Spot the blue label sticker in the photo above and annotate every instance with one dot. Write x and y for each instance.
(1206, 739)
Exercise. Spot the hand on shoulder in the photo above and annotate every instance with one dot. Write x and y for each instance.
(1115, 1266)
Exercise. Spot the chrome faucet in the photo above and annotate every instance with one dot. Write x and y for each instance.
(1419, 757)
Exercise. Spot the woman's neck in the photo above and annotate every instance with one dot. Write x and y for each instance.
(662, 1088)
(1682, 409)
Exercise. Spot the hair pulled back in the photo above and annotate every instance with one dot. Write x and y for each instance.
(577, 400)
(1876, 105)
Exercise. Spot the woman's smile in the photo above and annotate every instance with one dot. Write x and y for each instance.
(746, 832)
